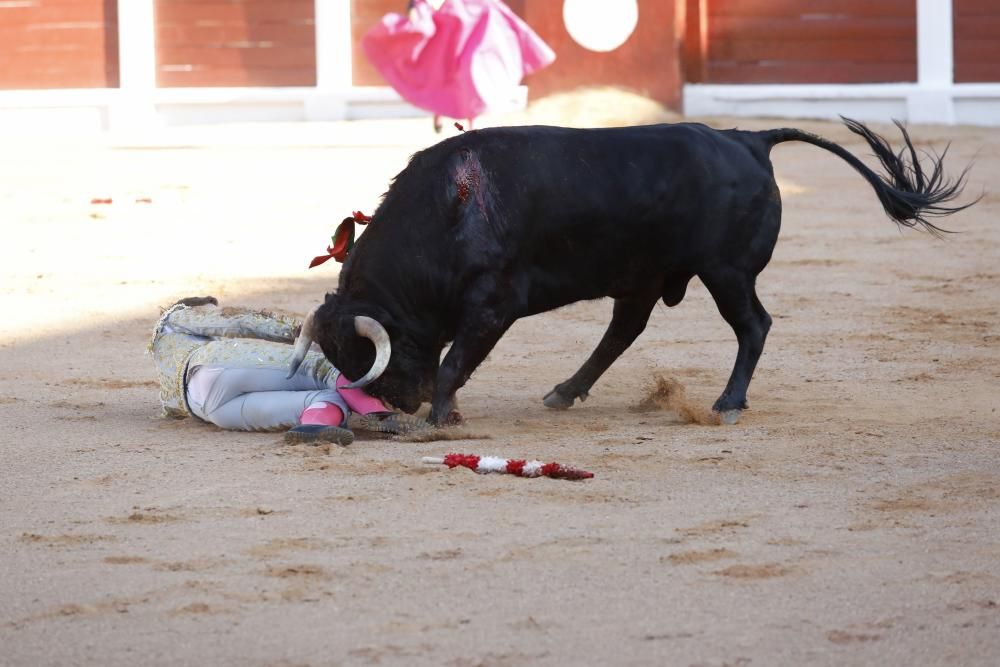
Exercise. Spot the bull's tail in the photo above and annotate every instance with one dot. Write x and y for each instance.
(909, 194)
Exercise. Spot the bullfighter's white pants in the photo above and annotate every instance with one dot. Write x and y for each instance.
(255, 399)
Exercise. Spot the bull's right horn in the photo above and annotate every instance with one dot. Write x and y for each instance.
(371, 329)
(302, 343)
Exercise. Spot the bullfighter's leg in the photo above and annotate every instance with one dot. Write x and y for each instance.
(627, 322)
(472, 343)
(737, 301)
(258, 399)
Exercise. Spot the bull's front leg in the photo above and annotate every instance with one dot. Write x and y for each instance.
(475, 338)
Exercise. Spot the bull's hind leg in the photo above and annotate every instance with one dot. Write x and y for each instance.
(736, 298)
(627, 322)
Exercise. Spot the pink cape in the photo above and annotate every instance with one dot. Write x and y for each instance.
(458, 61)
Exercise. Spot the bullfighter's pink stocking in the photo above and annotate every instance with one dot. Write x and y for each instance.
(321, 412)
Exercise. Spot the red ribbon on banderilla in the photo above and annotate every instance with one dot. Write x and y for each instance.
(519, 467)
(343, 239)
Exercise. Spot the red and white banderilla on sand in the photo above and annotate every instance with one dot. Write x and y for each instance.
(519, 467)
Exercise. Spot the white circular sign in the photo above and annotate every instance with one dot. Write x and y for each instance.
(600, 25)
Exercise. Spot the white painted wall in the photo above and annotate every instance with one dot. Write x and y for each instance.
(132, 105)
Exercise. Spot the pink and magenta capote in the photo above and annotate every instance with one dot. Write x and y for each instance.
(456, 61)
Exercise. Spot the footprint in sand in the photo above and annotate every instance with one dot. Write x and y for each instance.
(765, 571)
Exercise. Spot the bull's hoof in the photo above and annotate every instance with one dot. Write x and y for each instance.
(557, 401)
(729, 417)
(453, 418)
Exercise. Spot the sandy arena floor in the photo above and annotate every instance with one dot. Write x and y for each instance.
(851, 518)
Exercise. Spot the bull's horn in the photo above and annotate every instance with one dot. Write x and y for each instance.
(376, 333)
(302, 343)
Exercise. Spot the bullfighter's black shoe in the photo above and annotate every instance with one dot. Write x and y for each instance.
(193, 301)
(318, 434)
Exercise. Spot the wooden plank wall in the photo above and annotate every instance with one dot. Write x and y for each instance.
(235, 43)
(74, 43)
(794, 41)
(59, 44)
(977, 40)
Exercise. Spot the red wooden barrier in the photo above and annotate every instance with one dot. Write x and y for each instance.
(790, 41)
(977, 40)
(59, 44)
(235, 43)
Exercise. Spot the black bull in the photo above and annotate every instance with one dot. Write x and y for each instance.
(498, 224)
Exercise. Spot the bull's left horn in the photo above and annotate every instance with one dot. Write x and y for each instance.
(302, 343)
(376, 333)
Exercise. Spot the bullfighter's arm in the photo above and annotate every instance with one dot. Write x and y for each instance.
(214, 322)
